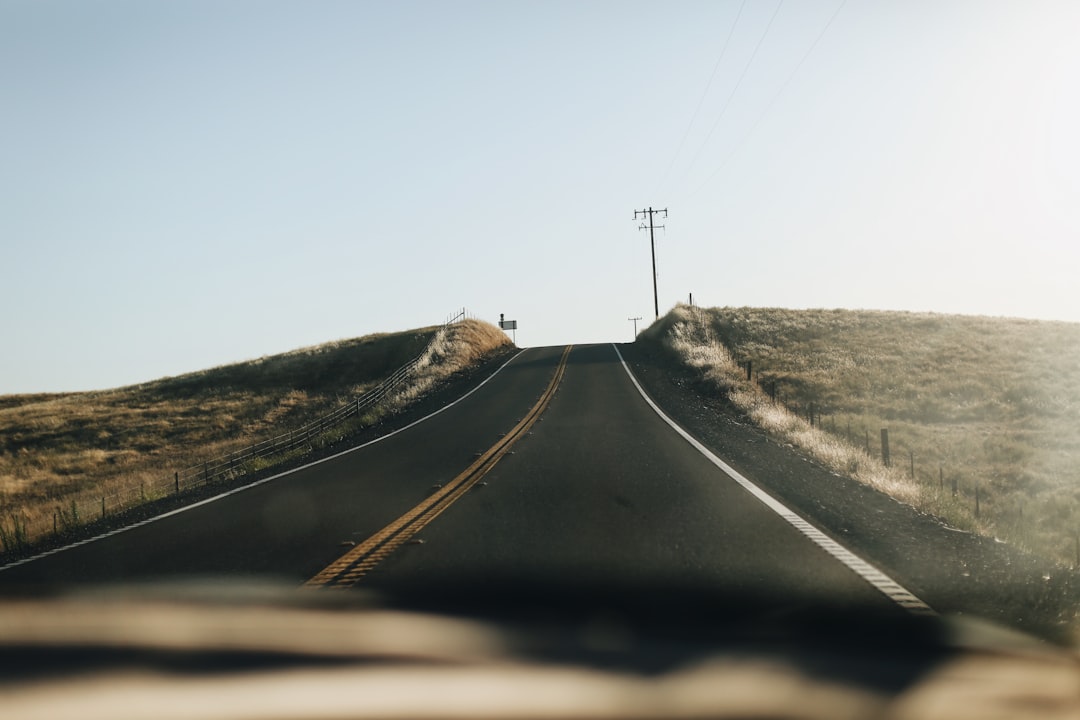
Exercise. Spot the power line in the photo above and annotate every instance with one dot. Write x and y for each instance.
(727, 102)
(772, 101)
(701, 101)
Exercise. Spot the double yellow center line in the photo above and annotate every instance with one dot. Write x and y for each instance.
(347, 570)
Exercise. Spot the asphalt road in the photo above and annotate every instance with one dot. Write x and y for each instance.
(599, 490)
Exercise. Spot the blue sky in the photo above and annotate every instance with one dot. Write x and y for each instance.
(186, 184)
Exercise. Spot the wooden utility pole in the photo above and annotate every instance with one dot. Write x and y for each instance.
(652, 244)
(635, 319)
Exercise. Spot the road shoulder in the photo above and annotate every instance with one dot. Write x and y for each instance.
(954, 571)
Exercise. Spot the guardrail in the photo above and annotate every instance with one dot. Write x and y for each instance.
(300, 441)
(228, 466)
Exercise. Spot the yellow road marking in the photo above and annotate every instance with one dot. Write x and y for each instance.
(353, 565)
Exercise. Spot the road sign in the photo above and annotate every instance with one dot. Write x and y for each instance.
(508, 325)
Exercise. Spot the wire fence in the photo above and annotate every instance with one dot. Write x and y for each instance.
(284, 447)
(965, 494)
(226, 467)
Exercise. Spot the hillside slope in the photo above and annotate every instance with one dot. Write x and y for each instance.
(60, 454)
(982, 414)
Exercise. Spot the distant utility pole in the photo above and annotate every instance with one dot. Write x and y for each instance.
(635, 319)
(652, 244)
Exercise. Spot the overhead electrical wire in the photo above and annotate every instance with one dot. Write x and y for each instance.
(772, 101)
(735, 89)
(704, 94)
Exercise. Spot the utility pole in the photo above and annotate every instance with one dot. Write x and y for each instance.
(635, 319)
(652, 244)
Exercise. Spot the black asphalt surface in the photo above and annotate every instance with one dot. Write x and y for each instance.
(603, 492)
(291, 527)
(600, 492)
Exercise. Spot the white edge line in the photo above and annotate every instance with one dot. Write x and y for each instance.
(242, 488)
(879, 580)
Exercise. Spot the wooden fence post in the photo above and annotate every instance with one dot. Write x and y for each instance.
(885, 447)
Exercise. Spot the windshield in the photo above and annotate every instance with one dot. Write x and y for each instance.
(476, 308)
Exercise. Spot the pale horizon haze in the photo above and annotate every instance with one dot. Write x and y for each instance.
(187, 183)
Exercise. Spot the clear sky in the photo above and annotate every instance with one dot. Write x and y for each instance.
(189, 183)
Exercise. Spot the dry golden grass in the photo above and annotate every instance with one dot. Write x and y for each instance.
(991, 405)
(65, 451)
(464, 344)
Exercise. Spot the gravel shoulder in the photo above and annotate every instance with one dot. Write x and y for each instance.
(955, 572)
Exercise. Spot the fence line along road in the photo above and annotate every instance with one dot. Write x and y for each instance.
(302, 436)
(231, 465)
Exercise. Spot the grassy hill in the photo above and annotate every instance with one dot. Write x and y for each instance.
(63, 452)
(982, 414)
